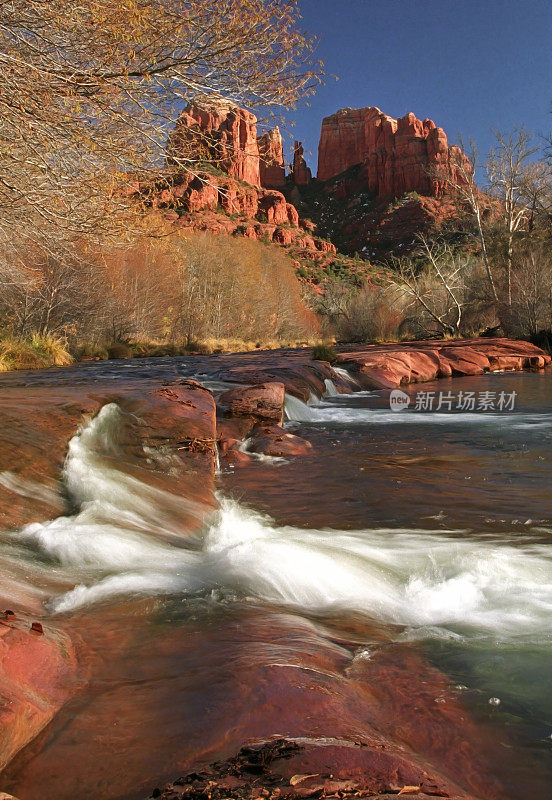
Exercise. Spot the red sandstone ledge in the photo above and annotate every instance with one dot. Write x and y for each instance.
(385, 366)
(38, 667)
(388, 366)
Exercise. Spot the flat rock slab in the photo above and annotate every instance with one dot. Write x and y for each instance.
(388, 366)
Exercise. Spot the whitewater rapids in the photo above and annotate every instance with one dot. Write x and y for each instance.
(119, 543)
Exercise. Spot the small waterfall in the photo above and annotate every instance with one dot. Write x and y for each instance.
(346, 375)
(331, 390)
(126, 536)
(298, 411)
(121, 541)
(430, 581)
(217, 459)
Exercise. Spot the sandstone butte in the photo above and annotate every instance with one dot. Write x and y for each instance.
(39, 668)
(397, 156)
(249, 193)
(242, 195)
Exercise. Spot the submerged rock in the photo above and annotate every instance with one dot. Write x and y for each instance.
(272, 440)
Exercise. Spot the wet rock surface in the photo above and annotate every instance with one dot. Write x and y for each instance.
(388, 366)
(171, 422)
(273, 440)
(359, 722)
(38, 674)
(301, 768)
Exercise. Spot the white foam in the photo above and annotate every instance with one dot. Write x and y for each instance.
(298, 411)
(121, 541)
(338, 413)
(411, 578)
(122, 526)
(29, 488)
(331, 390)
(346, 375)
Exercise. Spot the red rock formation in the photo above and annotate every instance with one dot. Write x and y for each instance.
(271, 153)
(294, 769)
(38, 673)
(301, 174)
(263, 401)
(223, 133)
(391, 365)
(396, 155)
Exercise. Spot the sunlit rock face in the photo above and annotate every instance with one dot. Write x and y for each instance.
(225, 134)
(397, 156)
(271, 152)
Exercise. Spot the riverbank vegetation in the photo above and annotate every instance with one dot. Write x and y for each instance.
(179, 294)
(38, 352)
(86, 113)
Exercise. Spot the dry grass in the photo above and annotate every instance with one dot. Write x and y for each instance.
(145, 348)
(39, 352)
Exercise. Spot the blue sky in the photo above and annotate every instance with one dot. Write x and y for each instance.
(470, 66)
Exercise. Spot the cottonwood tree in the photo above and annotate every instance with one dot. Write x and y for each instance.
(537, 192)
(509, 179)
(459, 178)
(531, 309)
(89, 90)
(434, 277)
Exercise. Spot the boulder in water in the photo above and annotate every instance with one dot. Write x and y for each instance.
(272, 440)
(264, 401)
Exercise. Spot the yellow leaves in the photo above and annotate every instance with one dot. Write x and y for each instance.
(295, 779)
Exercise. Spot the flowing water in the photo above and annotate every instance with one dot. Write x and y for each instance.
(419, 534)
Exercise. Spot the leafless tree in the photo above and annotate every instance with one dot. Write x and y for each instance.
(537, 192)
(507, 171)
(531, 308)
(434, 276)
(458, 175)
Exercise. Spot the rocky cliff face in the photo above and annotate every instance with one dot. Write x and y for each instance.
(222, 134)
(301, 174)
(271, 153)
(366, 158)
(397, 156)
(234, 186)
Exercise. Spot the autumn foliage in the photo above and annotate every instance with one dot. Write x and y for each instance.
(177, 289)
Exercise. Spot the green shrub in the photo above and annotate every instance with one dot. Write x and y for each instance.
(323, 352)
